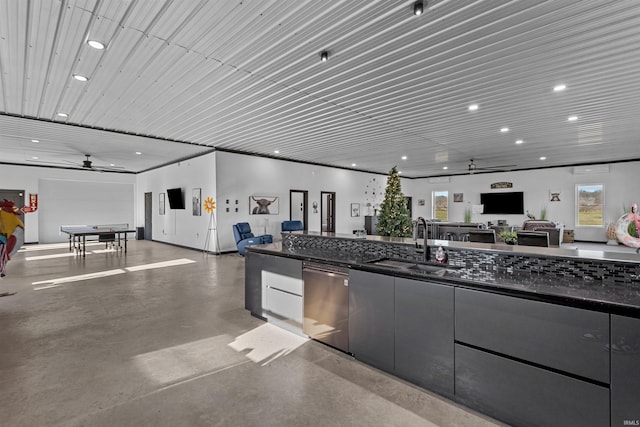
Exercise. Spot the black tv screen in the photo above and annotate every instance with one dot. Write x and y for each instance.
(503, 203)
(176, 201)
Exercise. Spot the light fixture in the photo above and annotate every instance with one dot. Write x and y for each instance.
(519, 141)
(559, 88)
(404, 157)
(445, 167)
(418, 8)
(95, 44)
(34, 158)
(572, 118)
(543, 158)
(504, 129)
(276, 152)
(35, 140)
(353, 165)
(473, 107)
(65, 115)
(138, 153)
(324, 56)
(80, 78)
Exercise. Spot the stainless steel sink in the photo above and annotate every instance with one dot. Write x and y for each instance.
(440, 269)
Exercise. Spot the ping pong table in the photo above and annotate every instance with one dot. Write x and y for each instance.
(105, 233)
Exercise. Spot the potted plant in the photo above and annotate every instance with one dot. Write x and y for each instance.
(509, 237)
(467, 215)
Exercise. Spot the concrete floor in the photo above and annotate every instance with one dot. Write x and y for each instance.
(141, 344)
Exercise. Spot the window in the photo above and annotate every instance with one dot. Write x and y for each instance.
(590, 205)
(440, 203)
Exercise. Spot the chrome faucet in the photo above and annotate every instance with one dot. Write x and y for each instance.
(426, 255)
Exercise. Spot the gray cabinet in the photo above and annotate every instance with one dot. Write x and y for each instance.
(370, 225)
(625, 371)
(371, 318)
(253, 282)
(569, 339)
(525, 395)
(424, 334)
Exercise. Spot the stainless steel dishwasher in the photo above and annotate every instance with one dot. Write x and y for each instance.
(326, 304)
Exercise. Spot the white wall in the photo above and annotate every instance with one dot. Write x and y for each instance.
(241, 176)
(619, 190)
(180, 227)
(28, 178)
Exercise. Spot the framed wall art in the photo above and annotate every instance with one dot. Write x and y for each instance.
(196, 193)
(355, 209)
(161, 204)
(264, 205)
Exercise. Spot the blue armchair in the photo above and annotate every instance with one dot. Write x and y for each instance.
(244, 237)
(291, 226)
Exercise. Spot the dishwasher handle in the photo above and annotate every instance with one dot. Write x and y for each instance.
(325, 268)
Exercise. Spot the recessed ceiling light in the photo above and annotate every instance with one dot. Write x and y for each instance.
(504, 129)
(35, 140)
(543, 158)
(111, 164)
(353, 165)
(445, 167)
(80, 78)
(34, 158)
(138, 153)
(519, 141)
(418, 8)
(559, 88)
(399, 172)
(276, 152)
(62, 115)
(572, 118)
(404, 157)
(473, 107)
(324, 56)
(96, 44)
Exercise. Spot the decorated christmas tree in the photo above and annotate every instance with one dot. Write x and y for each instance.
(394, 217)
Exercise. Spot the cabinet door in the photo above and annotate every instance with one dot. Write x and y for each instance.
(371, 318)
(625, 371)
(525, 395)
(253, 263)
(555, 336)
(424, 334)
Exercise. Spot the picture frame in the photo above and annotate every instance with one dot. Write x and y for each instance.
(196, 194)
(161, 204)
(458, 197)
(355, 209)
(264, 205)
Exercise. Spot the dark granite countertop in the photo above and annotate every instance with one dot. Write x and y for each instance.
(618, 298)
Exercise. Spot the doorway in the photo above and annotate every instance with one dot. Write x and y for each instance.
(148, 215)
(298, 200)
(328, 211)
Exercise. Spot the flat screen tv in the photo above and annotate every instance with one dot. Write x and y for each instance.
(176, 200)
(503, 203)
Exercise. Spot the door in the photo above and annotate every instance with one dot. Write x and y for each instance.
(148, 215)
(328, 211)
(298, 206)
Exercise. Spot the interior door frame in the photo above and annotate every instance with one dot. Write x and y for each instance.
(331, 223)
(305, 206)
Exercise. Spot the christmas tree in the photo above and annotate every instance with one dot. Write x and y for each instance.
(394, 217)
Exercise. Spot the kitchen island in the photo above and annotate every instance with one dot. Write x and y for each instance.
(531, 336)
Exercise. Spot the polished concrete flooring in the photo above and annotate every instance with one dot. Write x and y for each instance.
(159, 337)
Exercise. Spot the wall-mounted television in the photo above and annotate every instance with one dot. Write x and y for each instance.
(176, 199)
(503, 202)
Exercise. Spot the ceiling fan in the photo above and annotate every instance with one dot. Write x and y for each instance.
(86, 164)
(472, 168)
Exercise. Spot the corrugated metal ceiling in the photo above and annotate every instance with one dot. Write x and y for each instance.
(181, 77)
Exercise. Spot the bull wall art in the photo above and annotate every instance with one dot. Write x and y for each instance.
(264, 205)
